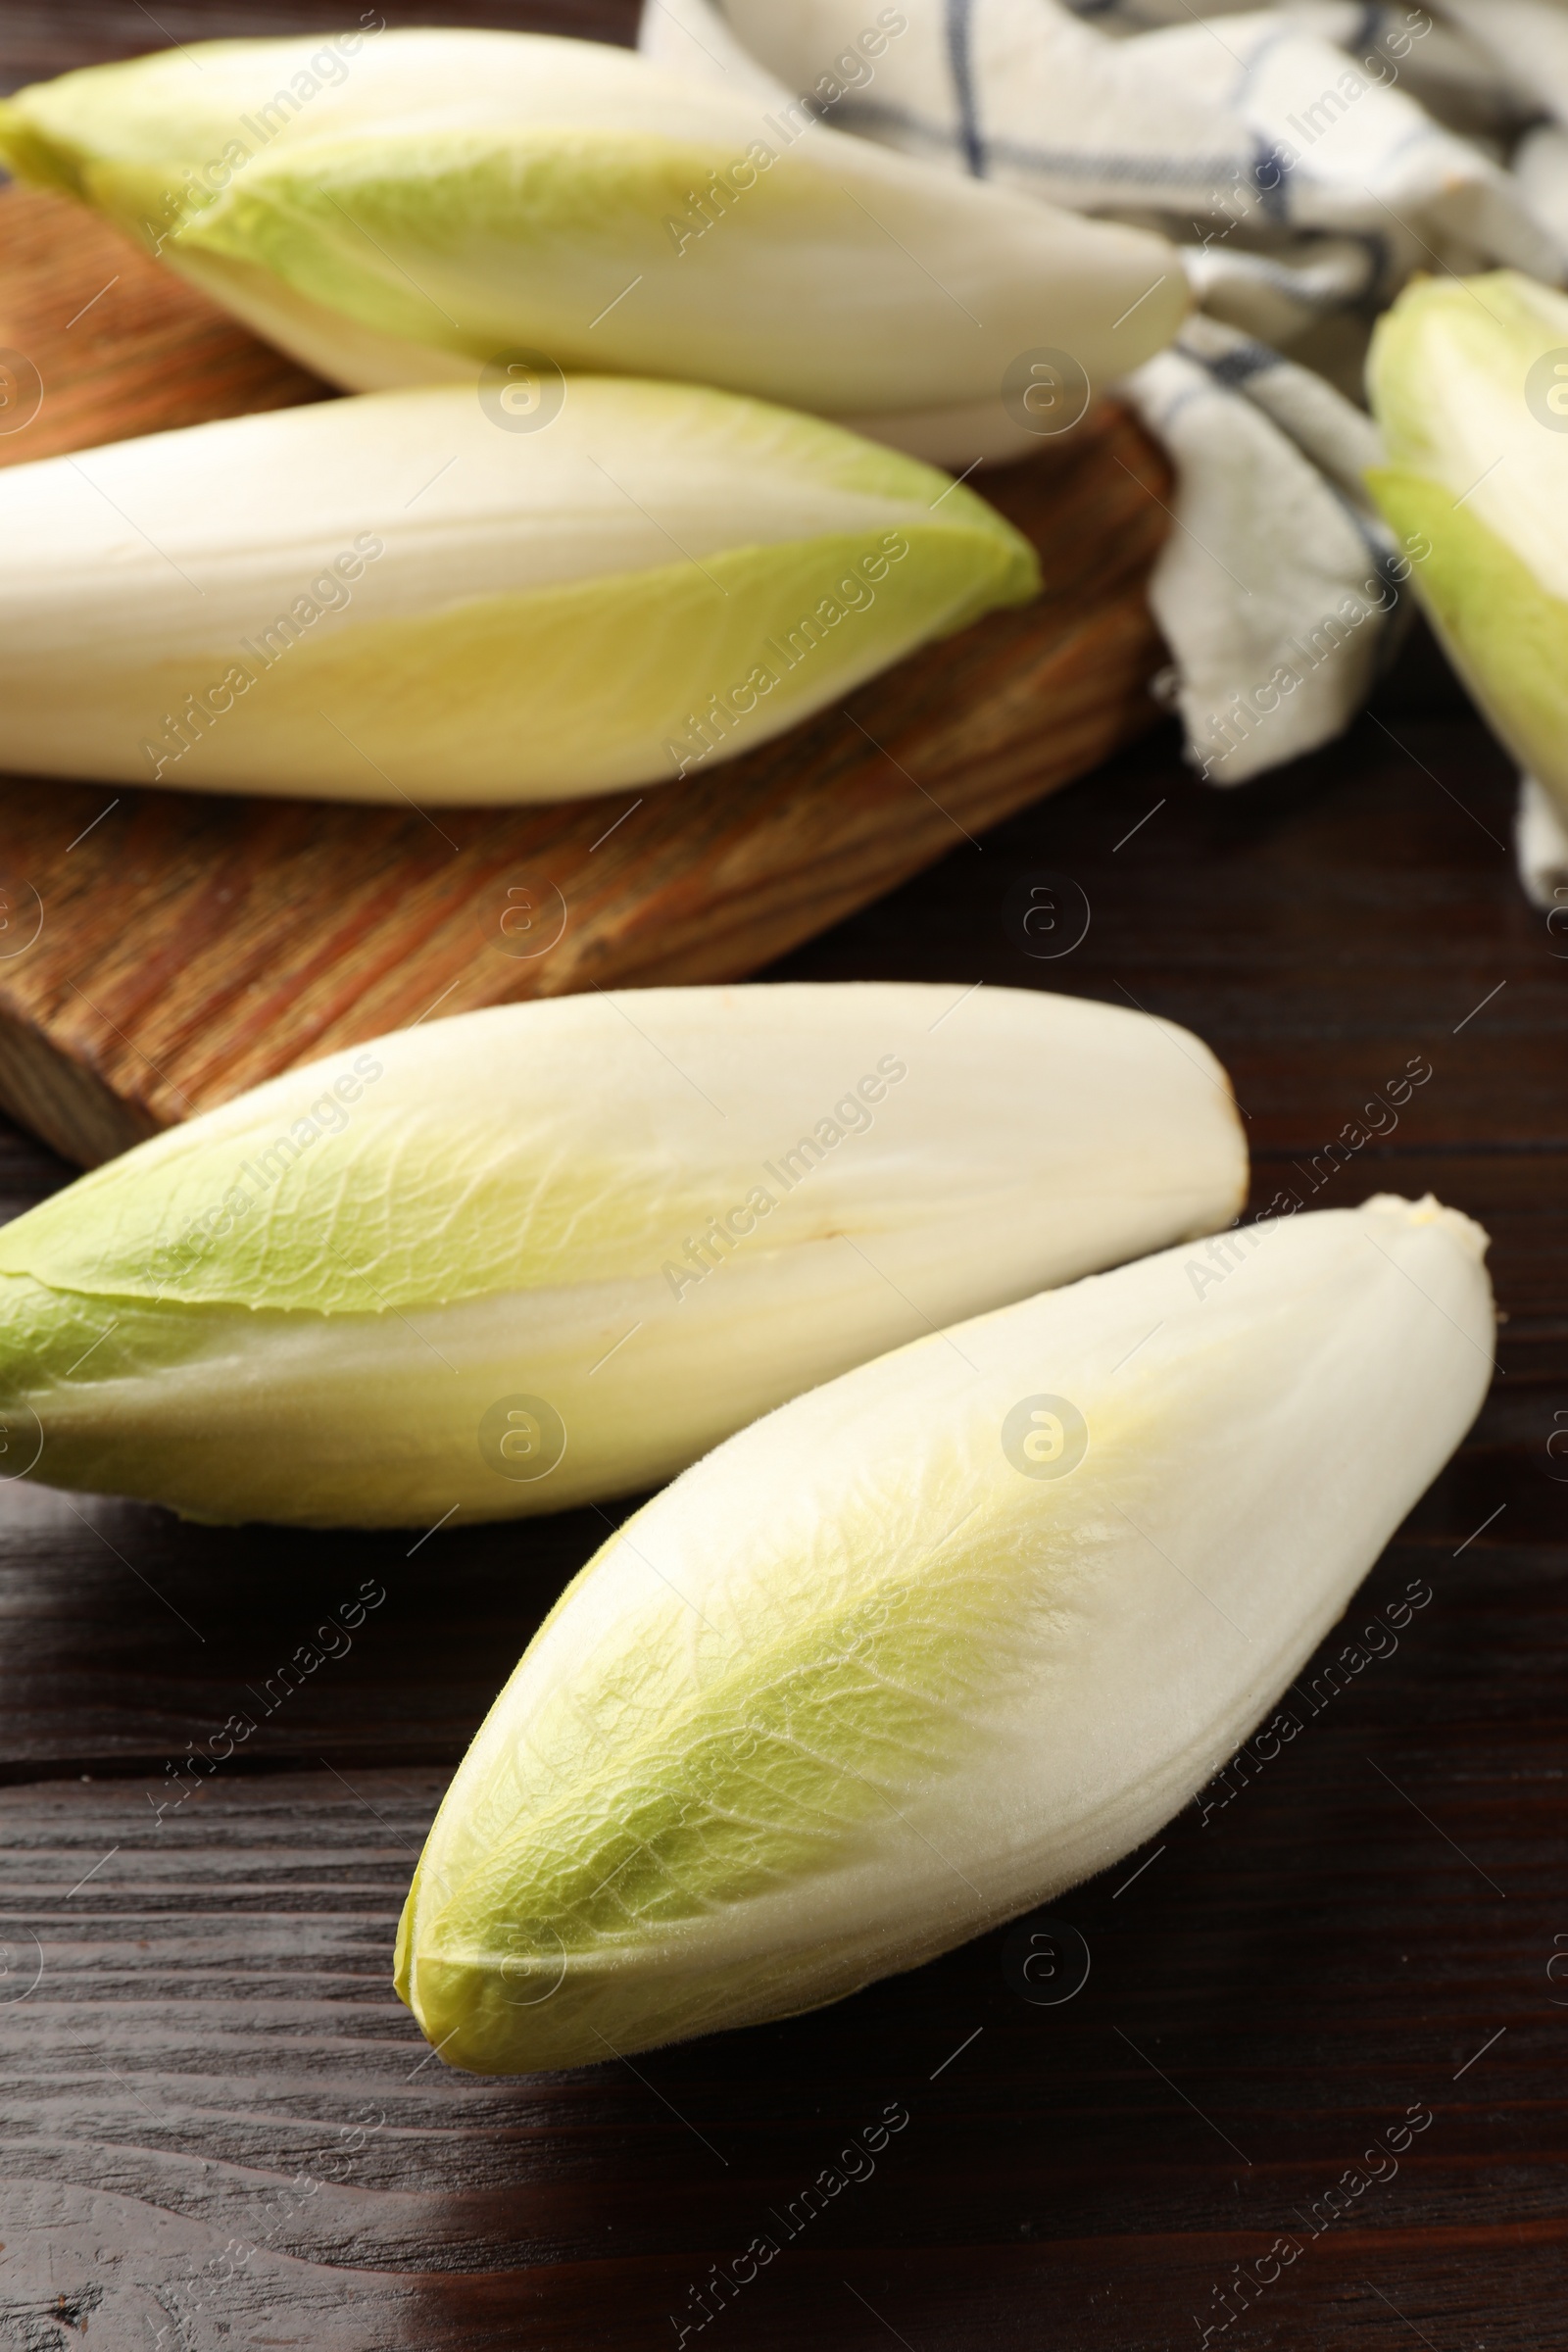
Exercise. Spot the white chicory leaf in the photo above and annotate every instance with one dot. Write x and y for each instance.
(1469, 382)
(541, 1254)
(406, 207)
(396, 598)
(940, 1638)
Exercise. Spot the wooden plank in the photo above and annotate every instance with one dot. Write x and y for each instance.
(202, 2053)
(167, 950)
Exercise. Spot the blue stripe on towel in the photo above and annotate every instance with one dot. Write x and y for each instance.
(1271, 178)
(1235, 370)
(1171, 179)
(962, 64)
(1235, 367)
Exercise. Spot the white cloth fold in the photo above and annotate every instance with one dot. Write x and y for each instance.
(1540, 164)
(1260, 129)
(1270, 659)
(1287, 152)
(1528, 40)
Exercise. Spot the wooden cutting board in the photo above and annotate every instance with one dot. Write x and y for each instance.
(162, 951)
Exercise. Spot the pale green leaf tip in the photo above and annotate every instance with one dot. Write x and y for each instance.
(30, 154)
(1444, 344)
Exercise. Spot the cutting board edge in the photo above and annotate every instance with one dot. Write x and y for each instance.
(62, 1099)
(68, 1104)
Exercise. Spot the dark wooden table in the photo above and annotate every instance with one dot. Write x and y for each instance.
(222, 2134)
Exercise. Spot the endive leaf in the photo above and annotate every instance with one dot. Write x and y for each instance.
(939, 1639)
(396, 597)
(654, 1216)
(1469, 381)
(437, 197)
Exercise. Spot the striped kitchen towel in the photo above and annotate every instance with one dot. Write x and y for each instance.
(1306, 159)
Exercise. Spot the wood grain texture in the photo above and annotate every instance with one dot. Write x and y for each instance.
(167, 950)
(1371, 1919)
(211, 2062)
(117, 345)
